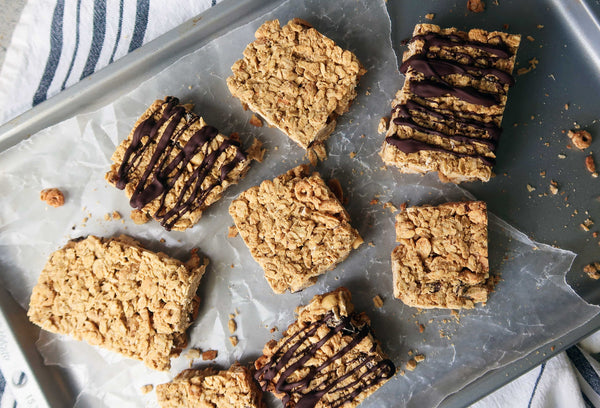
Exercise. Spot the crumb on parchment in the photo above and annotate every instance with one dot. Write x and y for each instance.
(53, 197)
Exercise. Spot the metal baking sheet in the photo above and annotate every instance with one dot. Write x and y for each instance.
(567, 73)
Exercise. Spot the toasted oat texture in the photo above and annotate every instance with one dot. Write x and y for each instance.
(113, 293)
(173, 165)
(329, 353)
(442, 259)
(447, 116)
(209, 388)
(297, 79)
(295, 228)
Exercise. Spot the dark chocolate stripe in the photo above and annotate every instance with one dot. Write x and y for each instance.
(141, 22)
(437, 68)
(163, 170)
(301, 350)
(56, 44)
(76, 48)
(119, 29)
(414, 146)
(500, 50)
(99, 27)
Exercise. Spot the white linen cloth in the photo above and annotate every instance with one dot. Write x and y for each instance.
(59, 42)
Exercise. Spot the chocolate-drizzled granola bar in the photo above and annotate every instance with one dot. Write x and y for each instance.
(173, 165)
(113, 293)
(442, 257)
(295, 228)
(329, 357)
(297, 79)
(447, 116)
(232, 388)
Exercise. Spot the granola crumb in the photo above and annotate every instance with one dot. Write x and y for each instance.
(116, 215)
(475, 6)
(232, 326)
(145, 389)
(388, 205)
(411, 365)
(53, 197)
(419, 358)
(562, 156)
(566, 106)
(193, 353)
(377, 301)
(233, 340)
(374, 201)
(352, 155)
(210, 355)
(593, 270)
(421, 328)
(255, 121)
(383, 124)
(530, 188)
(540, 26)
(553, 187)
(530, 38)
(139, 217)
(430, 16)
(274, 329)
(232, 232)
(582, 139)
(107, 217)
(590, 165)
(543, 174)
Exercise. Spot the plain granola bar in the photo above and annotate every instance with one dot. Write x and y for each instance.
(116, 294)
(447, 116)
(327, 358)
(173, 165)
(295, 228)
(233, 388)
(297, 79)
(442, 258)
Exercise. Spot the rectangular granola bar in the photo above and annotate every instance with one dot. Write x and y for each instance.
(297, 79)
(328, 357)
(113, 293)
(209, 387)
(442, 258)
(447, 116)
(295, 228)
(173, 165)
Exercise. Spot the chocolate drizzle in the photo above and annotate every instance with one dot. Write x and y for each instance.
(435, 84)
(316, 384)
(163, 170)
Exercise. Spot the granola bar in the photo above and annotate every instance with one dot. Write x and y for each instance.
(447, 116)
(295, 228)
(297, 79)
(113, 293)
(209, 387)
(173, 165)
(442, 258)
(328, 357)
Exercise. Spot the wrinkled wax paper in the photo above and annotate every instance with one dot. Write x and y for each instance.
(531, 306)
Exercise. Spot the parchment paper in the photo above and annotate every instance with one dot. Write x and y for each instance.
(531, 306)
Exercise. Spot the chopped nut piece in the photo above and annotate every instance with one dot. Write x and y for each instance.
(593, 270)
(255, 121)
(146, 388)
(233, 340)
(232, 232)
(475, 6)
(589, 164)
(383, 124)
(53, 197)
(139, 217)
(377, 301)
(411, 365)
(582, 139)
(210, 355)
(232, 326)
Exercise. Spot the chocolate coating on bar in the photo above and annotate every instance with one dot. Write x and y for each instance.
(499, 50)
(301, 350)
(163, 171)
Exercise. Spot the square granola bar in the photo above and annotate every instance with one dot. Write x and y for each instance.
(442, 259)
(115, 294)
(295, 228)
(173, 165)
(328, 357)
(297, 79)
(209, 387)
(447, 116)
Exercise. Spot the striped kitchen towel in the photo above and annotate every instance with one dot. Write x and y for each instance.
(59, 42)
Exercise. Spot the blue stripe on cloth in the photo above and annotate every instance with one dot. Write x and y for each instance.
(77, 22)
(586, 401)
(141, 22)
(56, 44)
(585, 368)
(97, 38)
(112, 55)
(537, 381)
